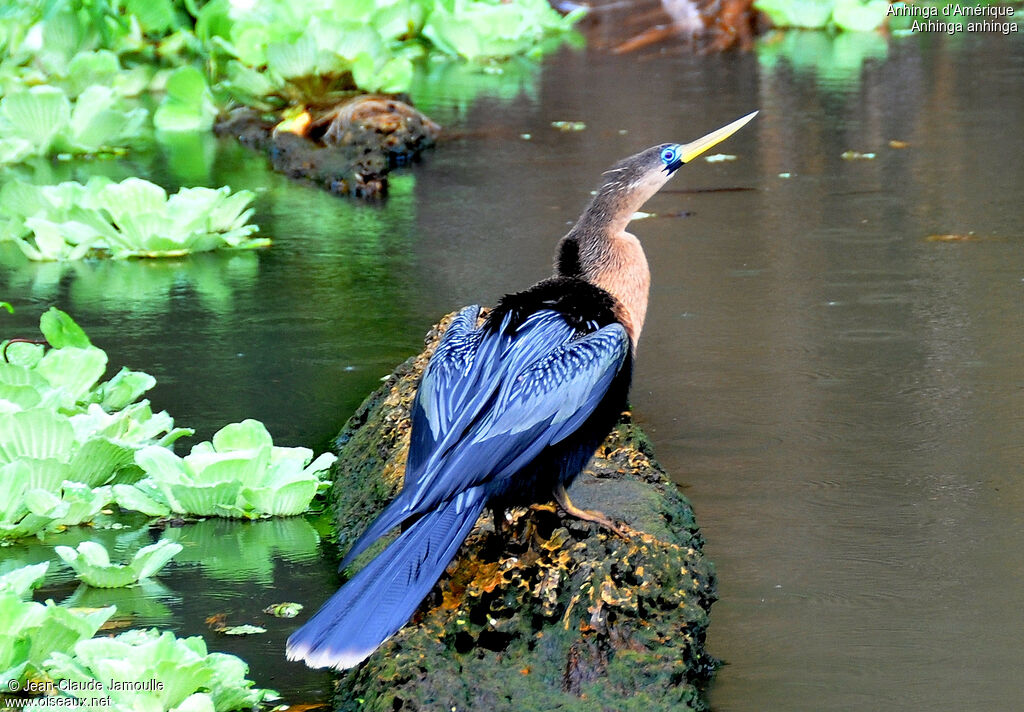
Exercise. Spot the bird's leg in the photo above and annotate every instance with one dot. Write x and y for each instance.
(588, 515)
(501, 525)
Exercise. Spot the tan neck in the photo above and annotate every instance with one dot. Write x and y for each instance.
(623, 273)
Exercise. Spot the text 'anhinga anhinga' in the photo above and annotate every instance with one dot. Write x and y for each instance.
(509, 412)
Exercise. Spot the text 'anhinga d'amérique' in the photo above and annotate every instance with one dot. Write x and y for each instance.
(508, 412)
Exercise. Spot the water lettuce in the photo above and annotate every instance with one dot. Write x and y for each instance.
(65, 436)
(483, 28)
(240, 473)
(191, 677)
(51, 642)
(188, 103)
(63, 86)
(266, 53)
(91, 563)
(850, 15)
(305, 51)
(31, 632)
(43, 120)
(133, 218)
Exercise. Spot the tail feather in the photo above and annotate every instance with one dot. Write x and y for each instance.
(393, 515)
(379, 600)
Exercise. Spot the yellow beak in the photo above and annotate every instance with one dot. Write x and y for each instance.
(689, 151)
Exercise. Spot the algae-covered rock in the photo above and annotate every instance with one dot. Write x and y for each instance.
(548, 612)
(348, 148)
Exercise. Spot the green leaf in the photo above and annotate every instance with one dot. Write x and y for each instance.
(131, 198)
(452, 35)
(242, 630)
(160, 464)
(21, 581)
(95, 123)
(183, 666)
(60, 330)
(284, 610)
(131, 498)
(215, 500)
(150, 559)
(124, 388)
(813, 14)
(393, 77)
(196, 702)
(858, 16)
(131, 218)
(154, 16)
(34, 434)
(37, 116)
(399, 19)
(75, 370)
(249, 434)
(48, 628)
(62, 33)
(284, 501)
(91, 563)
(290, 60)
(188, 104)
(98, 459)
(88, 69)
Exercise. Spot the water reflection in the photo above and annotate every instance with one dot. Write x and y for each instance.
(237, 552)
(139, 287)
(834, 62)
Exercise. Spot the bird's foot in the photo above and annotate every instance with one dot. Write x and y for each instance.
(588, 515)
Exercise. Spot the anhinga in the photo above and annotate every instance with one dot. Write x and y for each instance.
(508, 412)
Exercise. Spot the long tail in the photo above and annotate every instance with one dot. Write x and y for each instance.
(379, 600)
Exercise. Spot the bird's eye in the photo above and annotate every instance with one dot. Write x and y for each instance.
(669, 155)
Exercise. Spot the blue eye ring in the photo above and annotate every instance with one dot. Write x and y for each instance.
(669, 155)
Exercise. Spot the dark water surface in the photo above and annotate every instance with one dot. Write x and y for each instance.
(841, 397)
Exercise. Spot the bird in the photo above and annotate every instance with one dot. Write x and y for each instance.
(509, 410)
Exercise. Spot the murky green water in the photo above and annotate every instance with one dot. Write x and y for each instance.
(842, 398)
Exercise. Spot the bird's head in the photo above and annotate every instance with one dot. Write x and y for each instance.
(635, 179)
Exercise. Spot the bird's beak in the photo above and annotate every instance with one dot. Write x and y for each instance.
(689, 151)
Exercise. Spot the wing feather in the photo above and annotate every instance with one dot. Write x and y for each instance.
(491, 400)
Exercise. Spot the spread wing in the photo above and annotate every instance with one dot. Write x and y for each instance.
(491, 400)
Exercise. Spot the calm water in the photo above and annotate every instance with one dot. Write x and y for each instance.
(841, 397)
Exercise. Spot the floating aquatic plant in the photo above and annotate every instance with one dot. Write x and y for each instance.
(133, 218)
(287, 609)
(190, 678)
(490, 28)
(240, 473)
(278, 48)
(188, 103)
(31, 632)
(65, 437)
(850, 15)
(42, 120)
(91, 563)
(137, 670)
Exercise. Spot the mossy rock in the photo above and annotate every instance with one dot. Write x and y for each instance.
(548, 613)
